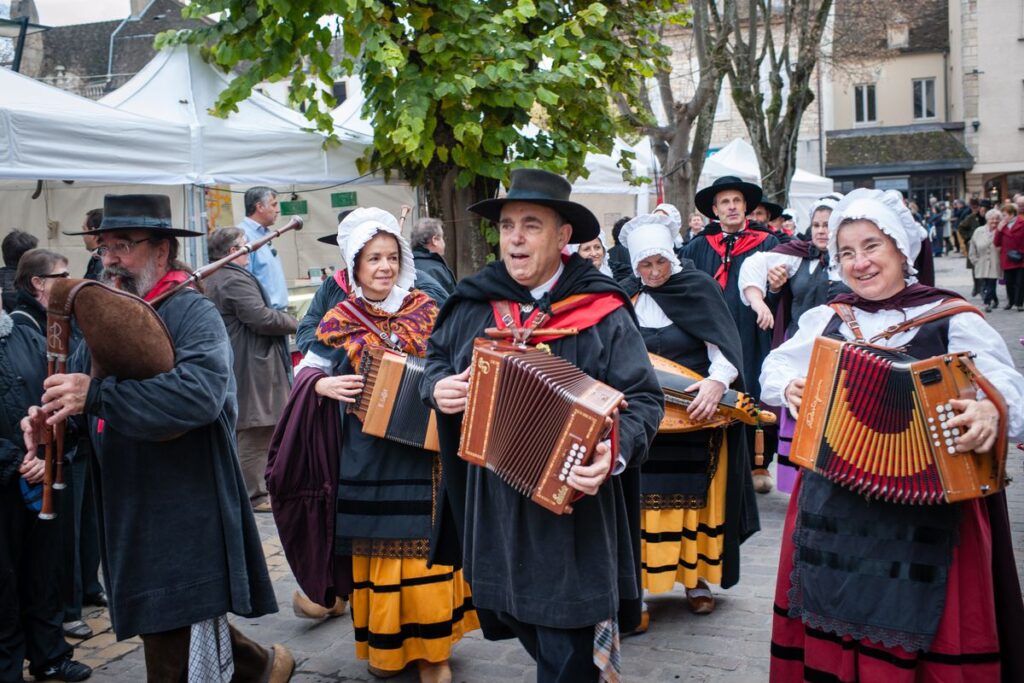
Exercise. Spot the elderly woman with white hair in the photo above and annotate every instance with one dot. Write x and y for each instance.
(875, 590)
(984, 254)
(402, 610)
(697, 503)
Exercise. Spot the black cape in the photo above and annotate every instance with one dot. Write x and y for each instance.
(550, 553)
(756, 342)
(693, 301)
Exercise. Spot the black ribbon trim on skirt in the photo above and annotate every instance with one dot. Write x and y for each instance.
(851, 527)
(394, 641)
(677, 536)
(385, 482)
(662, 568)
(383, 507)
(907, 571)
(404, 583)
(796, 653)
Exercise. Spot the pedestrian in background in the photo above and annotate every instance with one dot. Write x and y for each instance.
(262, 367)
(14, 246)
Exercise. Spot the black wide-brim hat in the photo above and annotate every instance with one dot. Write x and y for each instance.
(774, 210)
(138, 212)
(534, 186)
(705, 199)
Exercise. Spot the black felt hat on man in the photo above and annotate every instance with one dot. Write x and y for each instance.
(138, 212)
(705, 199)
(544, 188)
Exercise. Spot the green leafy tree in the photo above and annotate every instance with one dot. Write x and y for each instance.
(449, 86)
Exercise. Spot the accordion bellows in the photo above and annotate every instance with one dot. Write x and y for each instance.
(874, 421)
(390, 406)
(531, 416)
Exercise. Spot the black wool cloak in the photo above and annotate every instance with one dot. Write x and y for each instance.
(561, 571)
(756, 343)
(693, 301)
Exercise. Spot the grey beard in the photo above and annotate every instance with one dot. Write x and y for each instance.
(133, 283)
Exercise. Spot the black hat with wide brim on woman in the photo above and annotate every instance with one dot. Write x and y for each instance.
(138, 212)
(774, 210)
(534, 186)
(705, 199)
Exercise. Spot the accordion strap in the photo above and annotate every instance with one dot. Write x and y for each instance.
(519, 334)
(947, 308)
(349, 307)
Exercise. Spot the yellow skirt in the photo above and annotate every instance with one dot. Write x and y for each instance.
(402, 611)
(689, 542)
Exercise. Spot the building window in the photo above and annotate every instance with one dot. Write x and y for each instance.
(340, 91)
(898, 32)
(924, 98)
(864, 104)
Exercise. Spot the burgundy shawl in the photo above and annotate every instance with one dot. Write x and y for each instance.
(302, 478)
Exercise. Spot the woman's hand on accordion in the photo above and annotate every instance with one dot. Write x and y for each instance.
(794, 395)
(705, 403)
(587, 479)
(981, 421)
(344, 388)
(450, 393)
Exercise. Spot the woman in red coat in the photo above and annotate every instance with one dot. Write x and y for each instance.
(1009, 238)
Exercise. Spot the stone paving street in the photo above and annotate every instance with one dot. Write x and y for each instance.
(730, 645)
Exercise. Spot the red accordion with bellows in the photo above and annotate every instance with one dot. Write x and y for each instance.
(531, 416)
(874, 420)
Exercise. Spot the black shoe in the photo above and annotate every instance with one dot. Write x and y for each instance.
(97, 599)
(63, 670)
(1007, 307)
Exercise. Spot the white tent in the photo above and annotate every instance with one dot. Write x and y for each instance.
(263, 142)
(50, 134)
(738, 158)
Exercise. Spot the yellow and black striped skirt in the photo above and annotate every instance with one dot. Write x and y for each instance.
(683, 545)
(402, 611)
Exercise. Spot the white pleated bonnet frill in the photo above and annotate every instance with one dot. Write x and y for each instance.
(828, 201)
(672, 212)
(358, 228)
(649, 235)
(887, 211)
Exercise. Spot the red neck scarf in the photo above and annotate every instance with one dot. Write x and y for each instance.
(169, 281)
(578, 312)
(728, 246)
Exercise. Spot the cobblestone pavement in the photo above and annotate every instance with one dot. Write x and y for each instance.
(730, 646)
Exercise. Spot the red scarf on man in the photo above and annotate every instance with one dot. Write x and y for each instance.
(577, 312)
(741, 242)
(169, 281)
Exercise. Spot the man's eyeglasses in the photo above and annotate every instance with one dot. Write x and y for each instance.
(120, 248)
(54, 275)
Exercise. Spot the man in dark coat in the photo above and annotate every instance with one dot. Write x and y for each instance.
(14, 246)
(720, 252)
(427, 242)
(555, 582)
(30, 600)
(262, 365)
(179, 541)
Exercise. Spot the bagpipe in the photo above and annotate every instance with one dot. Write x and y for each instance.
(126, 337)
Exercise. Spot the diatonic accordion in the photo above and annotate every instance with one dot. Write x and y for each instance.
(531, 416)
(390, 405)
(874, 420)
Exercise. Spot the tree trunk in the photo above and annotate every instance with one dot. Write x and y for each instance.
(467, 249)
